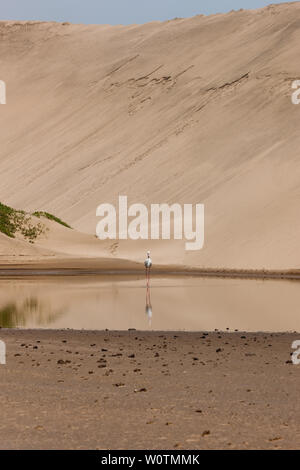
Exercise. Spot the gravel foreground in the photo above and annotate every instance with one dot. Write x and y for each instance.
(138, 390)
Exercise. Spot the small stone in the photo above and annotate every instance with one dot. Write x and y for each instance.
(140, 390)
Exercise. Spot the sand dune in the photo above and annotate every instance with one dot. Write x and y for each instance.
(191, 111)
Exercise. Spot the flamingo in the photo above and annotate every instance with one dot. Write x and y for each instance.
(148, 264)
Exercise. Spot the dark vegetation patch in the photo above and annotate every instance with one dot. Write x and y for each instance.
(14, 221)
(51, 217)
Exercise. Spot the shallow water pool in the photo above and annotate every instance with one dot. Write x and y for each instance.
(175, 303)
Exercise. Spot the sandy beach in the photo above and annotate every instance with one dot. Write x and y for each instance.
(136, 390)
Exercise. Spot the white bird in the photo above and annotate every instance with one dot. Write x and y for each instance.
(148, 261)
(148, 264)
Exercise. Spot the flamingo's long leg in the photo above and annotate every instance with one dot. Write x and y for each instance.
(148, 276)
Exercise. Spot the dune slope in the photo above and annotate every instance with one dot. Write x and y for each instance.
(190, 111)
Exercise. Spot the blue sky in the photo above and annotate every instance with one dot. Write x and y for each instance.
(117, 11)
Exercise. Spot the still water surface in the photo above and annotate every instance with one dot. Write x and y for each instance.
(119, 303)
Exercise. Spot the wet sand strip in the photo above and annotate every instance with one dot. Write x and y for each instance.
(10, 271)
